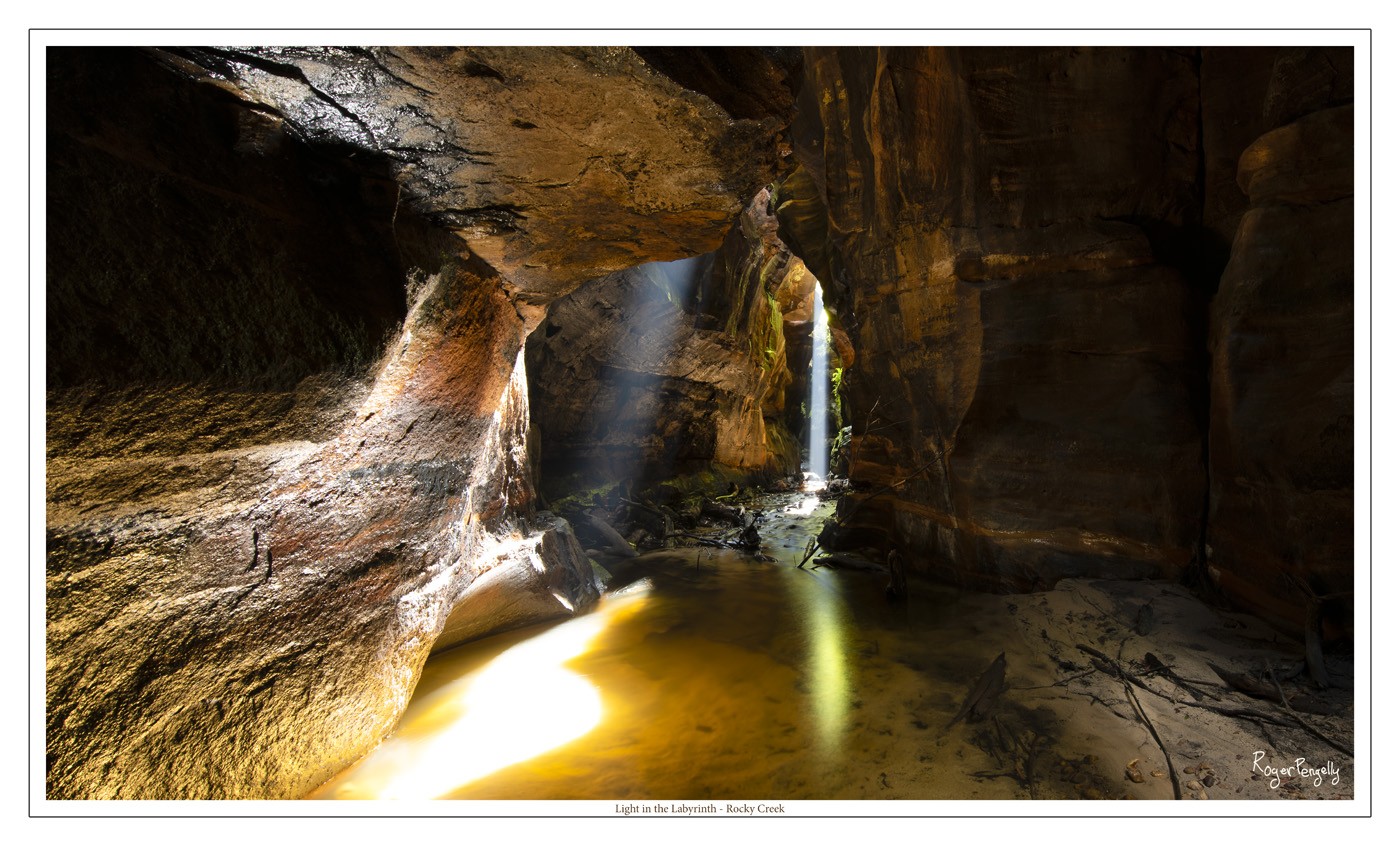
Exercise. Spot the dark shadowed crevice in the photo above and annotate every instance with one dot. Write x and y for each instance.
(227, 252)
(747, 82)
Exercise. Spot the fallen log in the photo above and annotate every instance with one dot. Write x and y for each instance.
(658, 522)
(846, 561)
(715, 511)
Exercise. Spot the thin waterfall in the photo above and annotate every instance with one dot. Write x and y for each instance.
(820, 387)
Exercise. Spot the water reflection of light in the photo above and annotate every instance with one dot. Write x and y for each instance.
(828, 671)
(805, 507)
(521, 704)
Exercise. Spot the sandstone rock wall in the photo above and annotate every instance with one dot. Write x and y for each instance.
(555, 164)
(1025, 245)
(1024, 358)
(289, 289)
(1282, 384)
(287, 420)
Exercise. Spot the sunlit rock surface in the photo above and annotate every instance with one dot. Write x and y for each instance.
(554, 164)
(539, 575)
(669, 369)
(286, 419)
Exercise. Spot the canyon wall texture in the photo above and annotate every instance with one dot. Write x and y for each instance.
(287, 418)
(1281, 519)
(1025, 358)
(1025, 245)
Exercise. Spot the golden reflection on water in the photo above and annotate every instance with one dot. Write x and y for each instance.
(730, 677)
(828, 644)
(520, 703)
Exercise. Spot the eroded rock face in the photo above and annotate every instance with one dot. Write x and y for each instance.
(246, 622)
(1246, 92)
(1026, 244)
(1282, 378)
(1024, 371)
(287, 419)
(668, 369)
(554, 164)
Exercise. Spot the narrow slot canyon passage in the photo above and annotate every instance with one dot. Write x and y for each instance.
(701, 424)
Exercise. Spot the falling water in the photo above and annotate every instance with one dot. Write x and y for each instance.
(821, 384)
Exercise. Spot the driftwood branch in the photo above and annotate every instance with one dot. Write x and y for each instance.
(1158, 667)
(1063, 681)
(703, 541)
(1151, 729)
(1114, 668)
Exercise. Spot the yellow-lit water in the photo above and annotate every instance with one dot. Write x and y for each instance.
(713, 675)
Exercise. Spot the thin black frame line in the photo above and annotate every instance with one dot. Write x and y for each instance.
(697, 29)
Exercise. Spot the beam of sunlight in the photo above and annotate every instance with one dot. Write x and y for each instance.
(654, 314)
(820, 387)
(680, 279)
(520, 704)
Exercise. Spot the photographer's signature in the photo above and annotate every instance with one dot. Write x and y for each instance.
(1300, 768)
